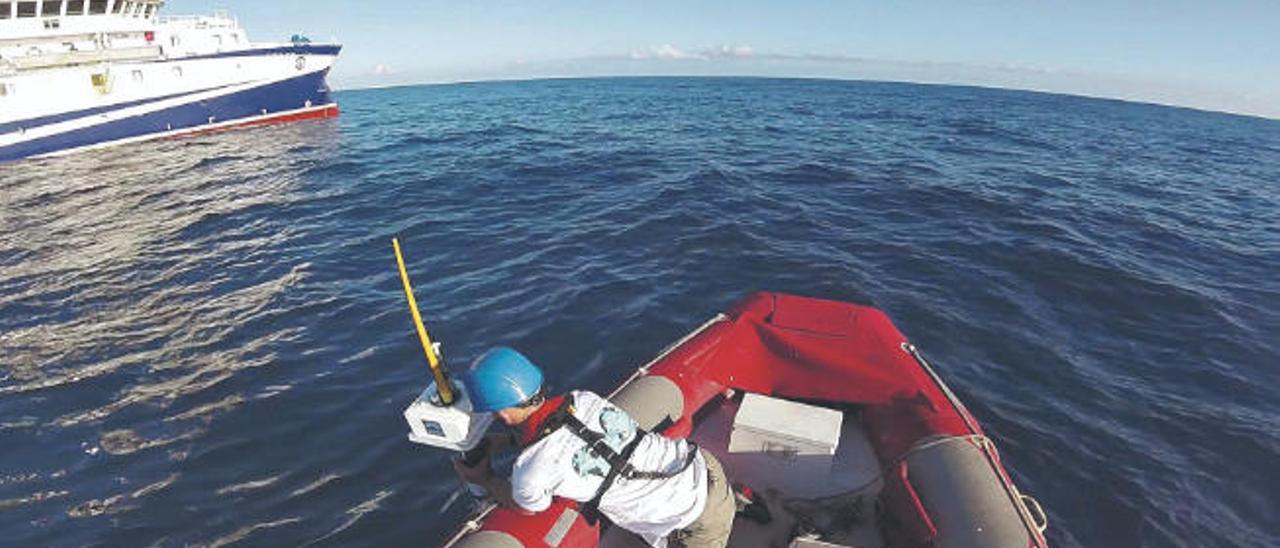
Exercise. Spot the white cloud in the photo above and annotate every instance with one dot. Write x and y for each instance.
(668, 51)
(742, 51)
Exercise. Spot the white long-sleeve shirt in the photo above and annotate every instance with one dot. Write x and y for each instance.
(560, 465)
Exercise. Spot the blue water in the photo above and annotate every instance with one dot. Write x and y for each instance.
(203, 341)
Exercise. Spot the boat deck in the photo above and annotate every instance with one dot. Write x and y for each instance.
(814, 501)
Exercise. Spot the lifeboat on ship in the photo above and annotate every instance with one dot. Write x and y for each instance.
(831, 416)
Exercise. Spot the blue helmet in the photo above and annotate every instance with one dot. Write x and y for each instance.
(501, 378)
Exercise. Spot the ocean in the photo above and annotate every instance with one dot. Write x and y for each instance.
(204, 341)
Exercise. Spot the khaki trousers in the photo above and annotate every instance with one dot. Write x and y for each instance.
(712, 528)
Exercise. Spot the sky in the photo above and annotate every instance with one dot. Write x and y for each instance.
(1214, 55)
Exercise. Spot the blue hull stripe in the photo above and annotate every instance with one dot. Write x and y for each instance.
(32, 123)
(280, 96)
(296, 49)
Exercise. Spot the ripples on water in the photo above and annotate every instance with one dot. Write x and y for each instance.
(202, 341)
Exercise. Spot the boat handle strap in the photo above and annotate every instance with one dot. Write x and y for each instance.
(1038, 517)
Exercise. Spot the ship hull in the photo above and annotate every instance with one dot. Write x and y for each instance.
(235, 89)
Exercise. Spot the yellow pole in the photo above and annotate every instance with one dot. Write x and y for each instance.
(442, 384)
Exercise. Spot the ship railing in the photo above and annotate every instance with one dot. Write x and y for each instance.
(65, 38)
(219, 20)
(71, 58)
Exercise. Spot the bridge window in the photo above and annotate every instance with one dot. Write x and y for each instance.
(26, 9)
(97, 7)
(75, 7)
(118, 7)
(50, 9)
(6, 10)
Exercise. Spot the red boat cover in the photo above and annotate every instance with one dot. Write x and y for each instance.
(811, 349)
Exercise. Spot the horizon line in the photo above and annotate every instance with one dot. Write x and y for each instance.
(1258, 116)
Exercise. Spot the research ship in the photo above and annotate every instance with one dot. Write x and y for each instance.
(83, 74)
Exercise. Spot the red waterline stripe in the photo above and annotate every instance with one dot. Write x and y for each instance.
(330, 111)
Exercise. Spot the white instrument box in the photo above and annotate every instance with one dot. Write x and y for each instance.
(785, 429)
(451, 427)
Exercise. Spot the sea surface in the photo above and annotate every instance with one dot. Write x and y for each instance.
(204, 341)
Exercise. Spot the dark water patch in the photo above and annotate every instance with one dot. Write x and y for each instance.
(214, 161)
(13, 256)
(338, 169)
(810, 173)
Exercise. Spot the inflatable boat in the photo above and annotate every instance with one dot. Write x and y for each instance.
(831, 416)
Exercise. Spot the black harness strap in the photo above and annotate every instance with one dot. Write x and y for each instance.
(619, 461)
(591, 509)
(554, 421)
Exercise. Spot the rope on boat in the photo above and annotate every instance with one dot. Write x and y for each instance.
(1038, 520)
(804, 516)
(644, 369)
(946, 390)
(978, 439)
(472, 525)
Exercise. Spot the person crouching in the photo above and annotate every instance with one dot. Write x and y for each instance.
(581, 447)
